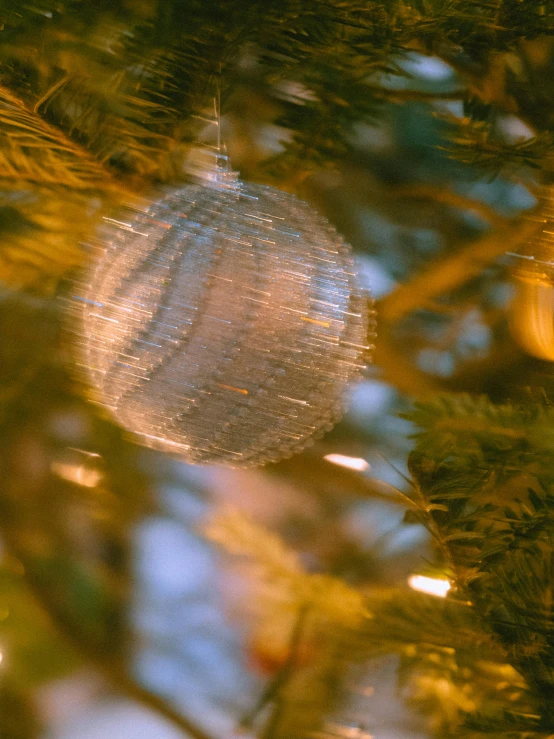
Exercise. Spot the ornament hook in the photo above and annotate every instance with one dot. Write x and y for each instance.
(210, 165)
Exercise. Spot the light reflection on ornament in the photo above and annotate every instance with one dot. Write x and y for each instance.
(224, 322)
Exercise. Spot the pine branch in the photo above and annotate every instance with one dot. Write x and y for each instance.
(125, 85)
(32, 150)
(476, 144)
(486, 481)
(477, 27)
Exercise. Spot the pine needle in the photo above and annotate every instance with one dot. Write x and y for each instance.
(32, 150)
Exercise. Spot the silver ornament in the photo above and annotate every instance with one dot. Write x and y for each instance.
(224, 323)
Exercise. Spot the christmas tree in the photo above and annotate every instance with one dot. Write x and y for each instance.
(395, 579)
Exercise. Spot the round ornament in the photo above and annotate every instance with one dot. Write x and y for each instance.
(223, 322)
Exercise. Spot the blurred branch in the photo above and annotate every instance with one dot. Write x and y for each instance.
(325, 476)
(271, 694)
(454, 199)
(94, 652)
(491, 373)
(399, 372)
(393, 95)
(453, 271)
(438, 279)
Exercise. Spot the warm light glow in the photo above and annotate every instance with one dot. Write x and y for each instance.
(353, 463)
(430, 585)
(1, 657)
(77, 473)
(344, 732)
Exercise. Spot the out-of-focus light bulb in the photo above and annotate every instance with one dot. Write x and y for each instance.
(1, 657)
(431, 585)
(352, 463)
(78, 474)
(340, 731)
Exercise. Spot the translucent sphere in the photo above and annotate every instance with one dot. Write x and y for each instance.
(224, 323)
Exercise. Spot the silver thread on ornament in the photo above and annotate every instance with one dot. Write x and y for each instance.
(223, 321)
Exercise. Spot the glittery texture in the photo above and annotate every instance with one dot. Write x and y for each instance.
(224, 324)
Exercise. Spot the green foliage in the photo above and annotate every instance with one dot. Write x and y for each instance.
(307, 622)
(118, 90)
(479, 27)
(452, 668)
(32, 652)
(484, 478)
(33, 150)
(19, 715)
(325, 598)
(102, 100)
(454, 664)
(475, 143)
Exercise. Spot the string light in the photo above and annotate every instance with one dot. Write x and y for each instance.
(340, 731)
(352, 463)
(430, 585)
(78, 474)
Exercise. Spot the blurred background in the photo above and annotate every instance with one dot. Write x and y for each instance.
(424, 141)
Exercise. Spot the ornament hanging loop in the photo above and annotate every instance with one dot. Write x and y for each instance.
(207, 164)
